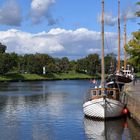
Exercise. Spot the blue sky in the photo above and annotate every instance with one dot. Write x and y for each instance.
(62, 27)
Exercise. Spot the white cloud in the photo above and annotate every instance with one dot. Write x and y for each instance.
(23, 42)
(109, 19)
(128, 13)
(10, 13)
(40, 10)
(58, 42)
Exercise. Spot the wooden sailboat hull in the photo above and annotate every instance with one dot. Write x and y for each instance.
(103, 108)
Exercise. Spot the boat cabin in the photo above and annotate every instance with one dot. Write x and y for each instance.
(112, 93)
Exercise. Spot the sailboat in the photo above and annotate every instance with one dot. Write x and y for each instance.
(121, 76)
(103, 102)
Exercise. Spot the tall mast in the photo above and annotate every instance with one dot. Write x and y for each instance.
(119, 42)
(125, 55)
(102, 64)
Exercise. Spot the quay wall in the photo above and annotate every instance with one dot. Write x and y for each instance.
(132, 91)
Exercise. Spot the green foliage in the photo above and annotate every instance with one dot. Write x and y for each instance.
(31, 63)
(34, 63)
(7, 62)
(93, 62)
(81, 65)
(133, 49)
(89, 65)
(72, 65)
(137, 75)
(138, 12)
(2, 48)
(64, 65)
(110, 63)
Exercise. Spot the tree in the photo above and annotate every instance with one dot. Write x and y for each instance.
(89, 64)
(133, 49)
(2, 48)
(73, 64)
(34, 63)
(110, 63)
(81, 65)
(138, 12)
(6, 63)
(64, 64)
(93, 61)
(14, 61)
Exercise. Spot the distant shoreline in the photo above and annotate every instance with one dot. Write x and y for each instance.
(15, 77)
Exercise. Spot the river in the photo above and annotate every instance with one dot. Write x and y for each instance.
(52, 110)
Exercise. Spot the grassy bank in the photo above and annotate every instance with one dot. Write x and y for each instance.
(138, 75)
(53, 76)
(34, 77)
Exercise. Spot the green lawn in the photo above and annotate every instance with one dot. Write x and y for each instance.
(71, 76)
(15, 77)
(54, 76)
(31, 77)
(137, 74)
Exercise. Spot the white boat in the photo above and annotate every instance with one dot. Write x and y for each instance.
(129, 72)
(103, 106)
(103, 102)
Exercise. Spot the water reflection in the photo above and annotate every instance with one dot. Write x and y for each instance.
(42, 110)
(52, 110)
(133, 128)
(107, 130)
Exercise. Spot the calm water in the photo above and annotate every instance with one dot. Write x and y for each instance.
(52, 110)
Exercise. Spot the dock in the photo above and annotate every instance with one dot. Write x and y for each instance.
(132, 91)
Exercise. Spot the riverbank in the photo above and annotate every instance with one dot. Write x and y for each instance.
(132, 91)
(52, 76)
(37, 77)
(137, 75)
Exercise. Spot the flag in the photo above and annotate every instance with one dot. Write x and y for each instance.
(93, 81)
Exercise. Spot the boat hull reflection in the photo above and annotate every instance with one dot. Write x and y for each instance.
(104, 130)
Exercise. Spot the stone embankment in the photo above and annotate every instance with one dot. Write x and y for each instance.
(132, 91)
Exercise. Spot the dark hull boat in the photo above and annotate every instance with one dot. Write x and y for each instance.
(120, 77)
(117, 80)
(123, 79)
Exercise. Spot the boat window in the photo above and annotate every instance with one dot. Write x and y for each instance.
(99, 92)
(94, 93)
(110, 92)
(114, 95)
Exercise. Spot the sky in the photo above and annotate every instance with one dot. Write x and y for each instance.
(63, 28)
